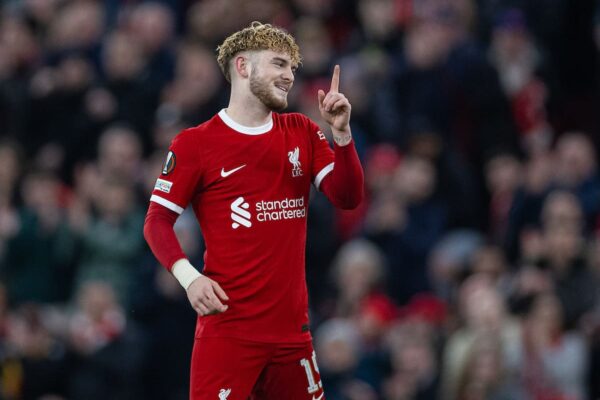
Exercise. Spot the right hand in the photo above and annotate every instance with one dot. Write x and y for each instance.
(206, 296)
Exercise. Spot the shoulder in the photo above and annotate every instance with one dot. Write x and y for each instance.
(300, 125)
(194, 135)
(294, 120)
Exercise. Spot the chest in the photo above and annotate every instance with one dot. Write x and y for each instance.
(278, 161)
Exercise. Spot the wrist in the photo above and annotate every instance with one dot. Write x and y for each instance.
(185, 272)
(342, 138)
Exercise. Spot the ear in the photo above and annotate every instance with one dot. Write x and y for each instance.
(242, 67)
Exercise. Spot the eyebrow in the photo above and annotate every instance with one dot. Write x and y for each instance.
(285, 61)
(281, 59)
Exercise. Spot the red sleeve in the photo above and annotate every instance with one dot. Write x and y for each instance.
(322, 155)
(181, 175)
(159, 233)
(344, 185)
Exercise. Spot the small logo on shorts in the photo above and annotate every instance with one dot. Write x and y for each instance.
(224, 394)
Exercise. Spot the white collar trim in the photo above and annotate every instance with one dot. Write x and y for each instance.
(247, 130)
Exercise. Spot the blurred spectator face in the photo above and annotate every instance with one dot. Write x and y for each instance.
(98, 319)
(400, 386)
(539, 172)
(122, 57)
(115, 200)
(449, 257)
(75, 74)
(546, 313)
(483, 370)
(387, 213)
(197, 79)
(563, 246)
(18, 44)
(562, 211)
(416, 357)
(41, 194)
(378, 18)
(358, 267)
(415, 179)
(531, 281)
(167, 126)
(426, 45)
(88, 182)
(426, 144)
(79, 25)
(209, 21)
(481, 305)
(120, 153)
(503, 174)
(42, 11)
(312, 37)
(490, 261)
(576, 159)
(28, 334)
(152, 24)
(337, 344)
(513, 52)
(95, 299)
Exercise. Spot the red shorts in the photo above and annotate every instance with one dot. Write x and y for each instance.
(236, 369)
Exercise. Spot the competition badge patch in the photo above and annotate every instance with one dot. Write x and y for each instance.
(169, 164)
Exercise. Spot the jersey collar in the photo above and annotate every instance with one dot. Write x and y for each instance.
(247, 130)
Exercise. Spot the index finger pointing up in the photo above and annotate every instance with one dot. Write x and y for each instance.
(335, 80)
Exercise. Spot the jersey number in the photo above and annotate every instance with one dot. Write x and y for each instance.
(308, 368)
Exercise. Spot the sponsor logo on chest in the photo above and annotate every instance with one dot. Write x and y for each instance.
(266, 211)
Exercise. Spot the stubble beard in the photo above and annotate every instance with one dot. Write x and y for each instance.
(264, 93)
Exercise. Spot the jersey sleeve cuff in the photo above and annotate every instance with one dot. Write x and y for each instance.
(322, 174)
(166, 203)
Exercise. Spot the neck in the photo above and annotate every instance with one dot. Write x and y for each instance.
(245, 109)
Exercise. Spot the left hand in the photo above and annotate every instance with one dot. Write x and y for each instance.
(335, 107)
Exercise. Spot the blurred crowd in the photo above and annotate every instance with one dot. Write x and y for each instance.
(470, 272)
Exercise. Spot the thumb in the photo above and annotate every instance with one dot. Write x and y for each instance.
(321, 95)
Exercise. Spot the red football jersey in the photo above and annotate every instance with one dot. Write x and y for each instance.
(249, 188)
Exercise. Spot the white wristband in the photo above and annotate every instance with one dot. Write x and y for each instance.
(185, 272)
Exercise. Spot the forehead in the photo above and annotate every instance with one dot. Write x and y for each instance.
(268, 55)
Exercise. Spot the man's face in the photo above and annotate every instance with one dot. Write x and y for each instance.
(271, 78)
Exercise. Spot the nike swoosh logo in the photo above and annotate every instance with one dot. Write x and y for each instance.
(225, 174)
(318, 398)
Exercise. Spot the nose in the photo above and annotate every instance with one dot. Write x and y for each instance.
(288, 75)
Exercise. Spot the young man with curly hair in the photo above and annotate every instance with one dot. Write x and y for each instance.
(247, 173)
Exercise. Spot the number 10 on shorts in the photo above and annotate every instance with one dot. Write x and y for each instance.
(309, 367)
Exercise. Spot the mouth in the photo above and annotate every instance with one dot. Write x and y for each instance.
(283, 88)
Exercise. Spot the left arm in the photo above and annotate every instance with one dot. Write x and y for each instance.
(344, 185)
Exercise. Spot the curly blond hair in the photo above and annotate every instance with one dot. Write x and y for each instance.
(257, 36)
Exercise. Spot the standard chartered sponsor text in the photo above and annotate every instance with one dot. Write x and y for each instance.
(277, 210)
